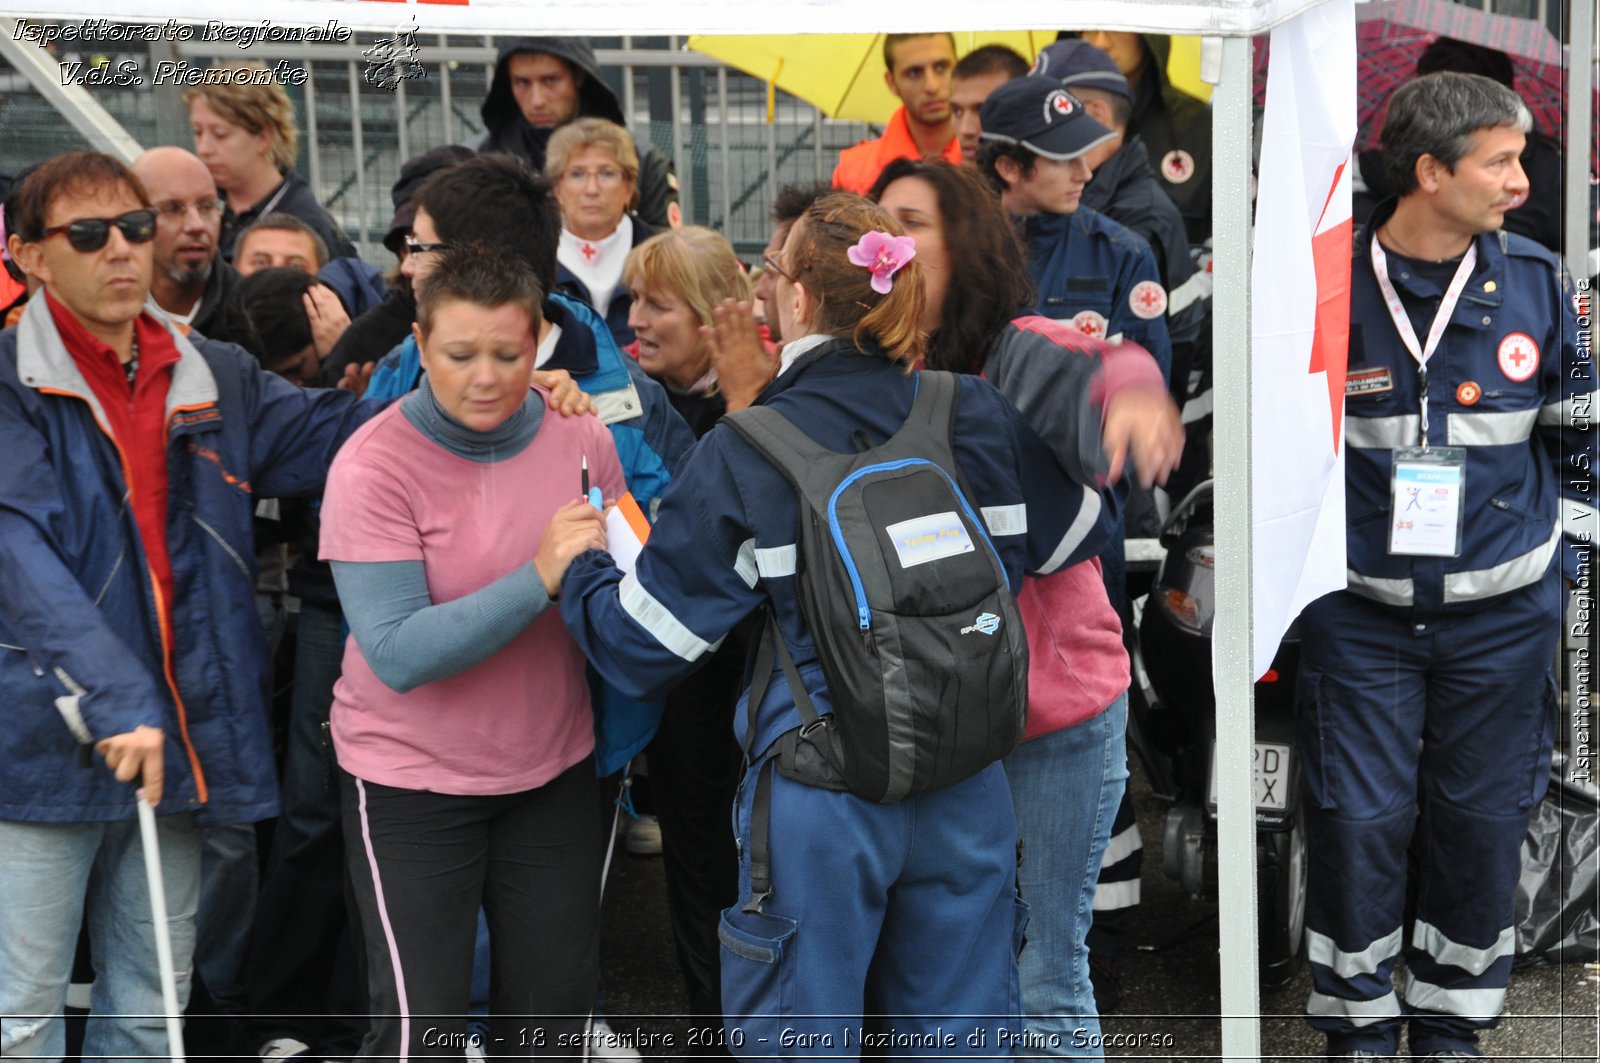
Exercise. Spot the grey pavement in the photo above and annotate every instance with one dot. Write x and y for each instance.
(1170, 996)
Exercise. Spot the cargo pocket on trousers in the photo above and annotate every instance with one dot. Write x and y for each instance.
(1315, 774)
(1544, 743)
(758, 977)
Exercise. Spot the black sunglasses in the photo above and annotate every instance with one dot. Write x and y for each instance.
(91, 234)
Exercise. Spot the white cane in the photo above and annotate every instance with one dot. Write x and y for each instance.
(158, 915)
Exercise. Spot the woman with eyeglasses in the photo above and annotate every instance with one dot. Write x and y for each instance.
(595, 170)
(247, 136)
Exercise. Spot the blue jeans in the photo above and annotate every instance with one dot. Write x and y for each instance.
(47, 873)
(1066, 787)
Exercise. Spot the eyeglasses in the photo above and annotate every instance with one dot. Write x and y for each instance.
(771, 263)
(608, 176)
(90, 234)
(417, 247)
(176, 211)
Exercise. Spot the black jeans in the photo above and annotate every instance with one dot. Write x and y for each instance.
(695, 764)
(301, 976)
(421, 864)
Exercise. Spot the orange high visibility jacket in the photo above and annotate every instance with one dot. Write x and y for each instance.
(860, 166)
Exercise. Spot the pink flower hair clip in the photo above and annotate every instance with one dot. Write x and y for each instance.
(884, 255)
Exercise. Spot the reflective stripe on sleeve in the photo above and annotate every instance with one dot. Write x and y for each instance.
(1088, 514)
(752, 563)
(655, 618)
(1006, 520)
(1199, 286)
(744, 563)
(1574, 411)
(776, 561)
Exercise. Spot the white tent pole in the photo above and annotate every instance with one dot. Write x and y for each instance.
(1580, 136)
(1232, 130)
(72, 102)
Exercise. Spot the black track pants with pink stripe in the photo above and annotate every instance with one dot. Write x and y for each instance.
(422, 863)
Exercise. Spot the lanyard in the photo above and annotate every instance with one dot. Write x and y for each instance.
(1441, 317)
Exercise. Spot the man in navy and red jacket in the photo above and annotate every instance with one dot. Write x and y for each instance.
(128, 626)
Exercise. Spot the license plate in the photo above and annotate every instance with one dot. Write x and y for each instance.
(1270, 765)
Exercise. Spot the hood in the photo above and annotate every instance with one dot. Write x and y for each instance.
(595, 98)
(1154, 84)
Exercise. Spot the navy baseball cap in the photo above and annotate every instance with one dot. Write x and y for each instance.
(1043, 117)
(1077, 62)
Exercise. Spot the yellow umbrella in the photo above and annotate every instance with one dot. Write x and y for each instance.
(841, 74)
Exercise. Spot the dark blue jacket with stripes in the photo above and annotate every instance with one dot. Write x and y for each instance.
(1510, 383)
(724, 539)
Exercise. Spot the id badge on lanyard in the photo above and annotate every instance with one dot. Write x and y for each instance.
(1427, 488)
(1427, 485)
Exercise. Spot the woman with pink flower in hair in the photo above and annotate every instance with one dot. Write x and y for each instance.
(905, 911)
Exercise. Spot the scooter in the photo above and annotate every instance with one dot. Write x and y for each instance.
(1172, 726)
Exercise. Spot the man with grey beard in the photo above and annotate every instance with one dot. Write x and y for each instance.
(189, 282)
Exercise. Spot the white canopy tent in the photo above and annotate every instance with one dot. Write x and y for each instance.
(1228, 63)
(640, 17)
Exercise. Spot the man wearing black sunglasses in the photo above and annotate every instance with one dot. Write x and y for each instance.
(190, 281)
(127, 618)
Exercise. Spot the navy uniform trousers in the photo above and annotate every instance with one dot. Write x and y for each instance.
(1431, 739)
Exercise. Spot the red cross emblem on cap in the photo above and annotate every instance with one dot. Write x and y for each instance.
(589, 251)
(1062, 104)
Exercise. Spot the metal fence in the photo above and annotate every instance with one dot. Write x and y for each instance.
(710, 120)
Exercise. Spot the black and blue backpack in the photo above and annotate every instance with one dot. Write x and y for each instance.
(916, 626)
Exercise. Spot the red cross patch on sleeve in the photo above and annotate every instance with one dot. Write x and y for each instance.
(1147, 300)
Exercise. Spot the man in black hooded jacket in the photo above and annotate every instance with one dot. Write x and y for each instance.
(541, 84)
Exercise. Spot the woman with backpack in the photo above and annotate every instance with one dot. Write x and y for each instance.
(1068, 774)
(901, 904)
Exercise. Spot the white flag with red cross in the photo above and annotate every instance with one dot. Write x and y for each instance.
(1300, 319)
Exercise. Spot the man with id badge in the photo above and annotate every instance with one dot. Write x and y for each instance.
(1426, 704)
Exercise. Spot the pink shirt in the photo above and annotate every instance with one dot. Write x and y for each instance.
(1077, 665)
(519, 718)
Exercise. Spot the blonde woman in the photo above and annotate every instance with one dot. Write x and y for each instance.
(247, 136)
(674, 279)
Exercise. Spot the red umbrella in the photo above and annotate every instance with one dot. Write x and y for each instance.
(1391, 34)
